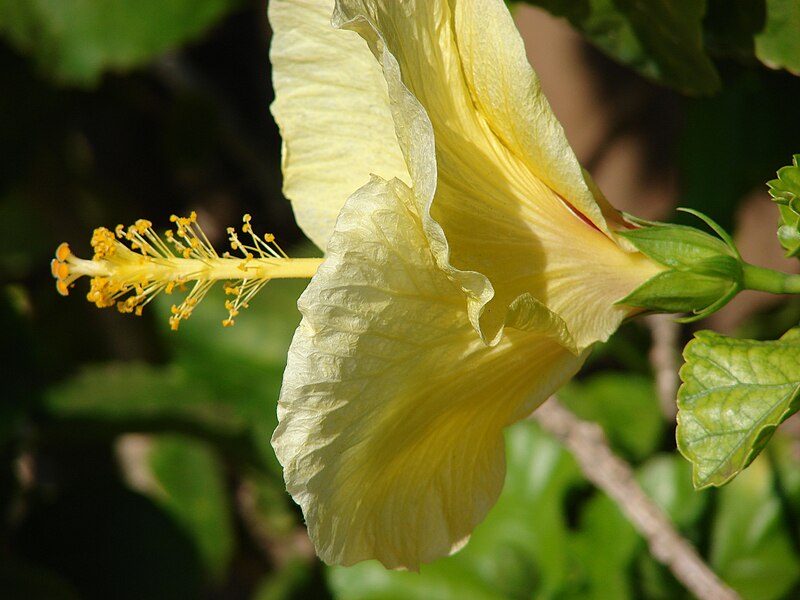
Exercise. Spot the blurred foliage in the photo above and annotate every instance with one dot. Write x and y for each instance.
(135, 462)
(615, 400)
(551, 536)
(74, 41)
(778, 44)
(750, 529)
(661, 39)
(675, 42)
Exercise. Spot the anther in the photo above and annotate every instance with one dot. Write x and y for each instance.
(132, 265)
(62, 252)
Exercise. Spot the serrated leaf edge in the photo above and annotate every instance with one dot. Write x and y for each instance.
(759, 427)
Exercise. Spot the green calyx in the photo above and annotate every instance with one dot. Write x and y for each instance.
(704, 272)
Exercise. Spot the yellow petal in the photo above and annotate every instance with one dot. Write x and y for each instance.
(496, 226)
(392, 409)
(507, 92)
(333, 112)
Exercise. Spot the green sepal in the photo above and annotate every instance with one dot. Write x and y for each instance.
(734, 395)
(678, 291)
(705, 272)
(721, 267)
(676, 245)
(785, 191)
(711, 308)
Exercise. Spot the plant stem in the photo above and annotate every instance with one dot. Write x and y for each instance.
(767, 280)
(615, 477)
(663, 356)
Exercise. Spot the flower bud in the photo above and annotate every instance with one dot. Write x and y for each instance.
(705, 272)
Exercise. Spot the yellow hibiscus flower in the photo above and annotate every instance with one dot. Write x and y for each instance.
(470, 265)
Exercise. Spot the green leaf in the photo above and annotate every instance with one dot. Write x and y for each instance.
(671, 32)
(778, 44)
(123, 394)
(240, 366)
(190, 486)
(603, 526)
(661, 39)
(666, 479)
(295, 579)
(734, 394)
(223, 384)
(74, 41)
(785, 190)
(751, 548)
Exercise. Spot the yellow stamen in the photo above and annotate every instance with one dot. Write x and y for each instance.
(130, 276)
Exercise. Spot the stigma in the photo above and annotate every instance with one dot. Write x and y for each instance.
(133, 265)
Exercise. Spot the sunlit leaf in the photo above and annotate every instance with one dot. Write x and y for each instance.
(734, 394)
(778, 44)
(74, 41)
